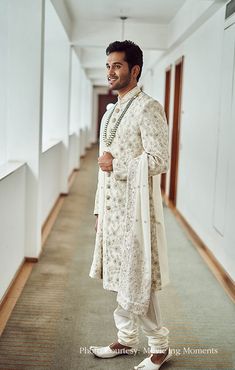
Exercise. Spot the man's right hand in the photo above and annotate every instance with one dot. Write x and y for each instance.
(105, 162)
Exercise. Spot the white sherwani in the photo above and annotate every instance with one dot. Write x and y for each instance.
(142, 132)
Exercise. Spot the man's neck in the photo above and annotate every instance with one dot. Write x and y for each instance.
(123, 92)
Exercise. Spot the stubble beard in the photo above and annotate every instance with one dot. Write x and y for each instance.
(122, 84)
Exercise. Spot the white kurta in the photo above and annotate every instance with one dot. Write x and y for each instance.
(143, 129)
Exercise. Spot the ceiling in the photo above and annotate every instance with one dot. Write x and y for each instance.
(96, 23)
(160, 11)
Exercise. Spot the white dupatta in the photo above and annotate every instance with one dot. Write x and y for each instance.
(135, 273)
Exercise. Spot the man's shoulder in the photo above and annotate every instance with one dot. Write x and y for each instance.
(148, 102)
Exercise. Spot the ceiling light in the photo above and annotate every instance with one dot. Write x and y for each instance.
(123, 19)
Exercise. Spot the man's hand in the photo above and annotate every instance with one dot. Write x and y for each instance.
(106, 162)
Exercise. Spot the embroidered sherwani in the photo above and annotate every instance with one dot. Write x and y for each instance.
(142, 130)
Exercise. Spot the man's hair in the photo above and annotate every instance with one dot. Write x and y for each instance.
(133, 53)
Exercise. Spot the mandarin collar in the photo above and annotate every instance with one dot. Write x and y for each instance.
(129, 95)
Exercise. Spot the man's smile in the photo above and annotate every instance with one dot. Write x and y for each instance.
(112, 79)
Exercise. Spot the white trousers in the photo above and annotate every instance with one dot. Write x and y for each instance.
(128, 325)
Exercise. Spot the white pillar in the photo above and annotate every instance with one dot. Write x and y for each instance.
(24, 105)
(89, 113)
(56, 88)
(74, 103)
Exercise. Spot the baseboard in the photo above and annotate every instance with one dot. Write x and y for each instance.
(31, 259)
(51, 218)
(5, 296)
(214, 265)
(13, 292)
(72, 177)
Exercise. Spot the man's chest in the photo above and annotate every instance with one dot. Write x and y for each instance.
(124, 128)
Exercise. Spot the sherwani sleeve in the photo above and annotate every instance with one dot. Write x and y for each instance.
(154, 135)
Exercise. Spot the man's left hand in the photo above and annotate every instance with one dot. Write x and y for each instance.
(106, 162)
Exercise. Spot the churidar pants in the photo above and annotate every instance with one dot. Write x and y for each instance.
(128, 324)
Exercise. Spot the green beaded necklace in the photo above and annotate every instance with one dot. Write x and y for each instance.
(108, 140)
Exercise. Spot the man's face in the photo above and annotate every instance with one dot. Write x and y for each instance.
(118, 74)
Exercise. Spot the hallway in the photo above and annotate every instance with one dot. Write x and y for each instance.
(61, 311)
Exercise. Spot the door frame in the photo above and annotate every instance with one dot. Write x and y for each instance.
(175, 142)
(167, 98)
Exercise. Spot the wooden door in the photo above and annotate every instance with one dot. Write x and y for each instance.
(167, 111)
(176, 131)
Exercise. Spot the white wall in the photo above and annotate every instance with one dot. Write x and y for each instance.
(85, 112)
(74, 156)
(50, 179)
(82, 94)
(190, 16)
(88, 114)
(56, 77)
(12, 224)
(75, 110)
(200, 114)
(56, 88)
(63, 14)
(3, 78)
(24, 104)
(224, 201)
(76, 94)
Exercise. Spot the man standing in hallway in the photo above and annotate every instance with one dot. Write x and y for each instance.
(130, 251)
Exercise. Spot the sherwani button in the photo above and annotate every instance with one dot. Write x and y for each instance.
(108, 208)
(108, 174)
(108, 197)
(108, 186)
(117, 110)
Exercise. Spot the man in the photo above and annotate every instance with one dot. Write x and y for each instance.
(130, 251)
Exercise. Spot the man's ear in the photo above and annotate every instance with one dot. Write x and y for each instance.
(135, 71)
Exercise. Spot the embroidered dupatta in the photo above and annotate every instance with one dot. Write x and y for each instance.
(135, 274)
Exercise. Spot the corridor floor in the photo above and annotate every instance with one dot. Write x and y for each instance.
(61, 311)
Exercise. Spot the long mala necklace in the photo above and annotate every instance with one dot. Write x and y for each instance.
(108, 140)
